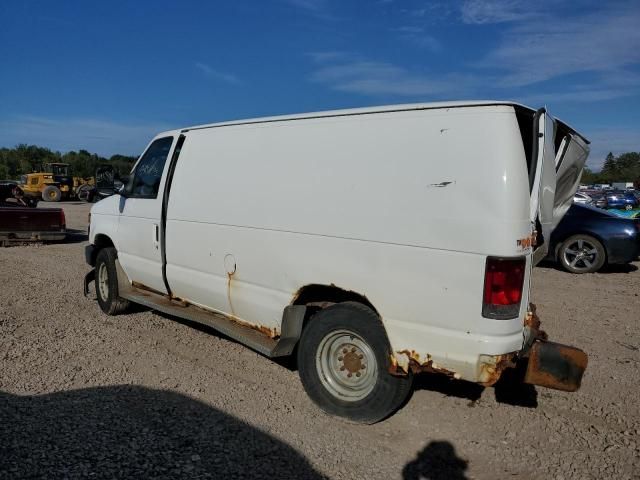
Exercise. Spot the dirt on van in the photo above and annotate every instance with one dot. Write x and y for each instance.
(145, 395)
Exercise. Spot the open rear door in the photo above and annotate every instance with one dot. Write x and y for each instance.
(557, 176)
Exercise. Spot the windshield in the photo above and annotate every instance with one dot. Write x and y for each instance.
(57, 169)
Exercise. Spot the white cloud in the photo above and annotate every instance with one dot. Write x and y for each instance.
(216, 74)
(615, 84)
(104, 137)
(551, 47)
(434, 11)
(366, 77)
(498, 11)
(418, 37)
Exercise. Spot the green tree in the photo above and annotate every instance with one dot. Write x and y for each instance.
(609, 168)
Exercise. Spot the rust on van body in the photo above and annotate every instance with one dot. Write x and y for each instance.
(173, 300)
(406, 360)
(493, 366)
(557, 366)
(229, 279)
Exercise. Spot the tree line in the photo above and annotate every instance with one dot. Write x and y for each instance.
(25, 159)
(29, 158)
(623, 168)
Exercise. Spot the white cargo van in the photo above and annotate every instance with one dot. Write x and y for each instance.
(375, 243)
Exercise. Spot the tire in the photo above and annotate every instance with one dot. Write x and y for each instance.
(107, 283)
(51, 194)
(83, 193)
(582, 254)
(343, 362)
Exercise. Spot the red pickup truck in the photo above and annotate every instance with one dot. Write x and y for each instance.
(19, 223)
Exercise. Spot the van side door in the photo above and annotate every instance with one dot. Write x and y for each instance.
(139, 249)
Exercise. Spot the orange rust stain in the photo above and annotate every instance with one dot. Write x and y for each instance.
(528, 242)
(538, 375)
(493, 372)
(417, 366)
(229, 275)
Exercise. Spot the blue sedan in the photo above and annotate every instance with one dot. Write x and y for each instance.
(588, 238)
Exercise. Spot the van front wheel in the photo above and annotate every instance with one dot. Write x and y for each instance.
(344, 360)
(107, 283)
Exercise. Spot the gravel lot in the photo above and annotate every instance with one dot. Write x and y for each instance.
(145, 395)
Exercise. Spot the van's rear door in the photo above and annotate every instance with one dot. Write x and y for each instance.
(557, 176)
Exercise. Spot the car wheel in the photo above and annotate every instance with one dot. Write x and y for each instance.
(107, 283)
(344, 361)
(582, 254)
(51, 194)
(628, 207)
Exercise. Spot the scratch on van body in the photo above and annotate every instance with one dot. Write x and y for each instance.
(229, 275)
(442, 184)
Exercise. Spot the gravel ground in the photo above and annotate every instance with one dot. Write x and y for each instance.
(144, 395)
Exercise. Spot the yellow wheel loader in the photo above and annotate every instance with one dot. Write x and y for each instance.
(53, 183)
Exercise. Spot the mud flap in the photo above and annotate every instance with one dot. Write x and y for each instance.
(556, 366)
(88, 278)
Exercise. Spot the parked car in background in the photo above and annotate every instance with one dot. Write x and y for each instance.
(588, 238)
(22, 224)
(11, 190)
(582, 198)
(621, 200)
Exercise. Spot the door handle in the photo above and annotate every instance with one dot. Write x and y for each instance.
(156, 236)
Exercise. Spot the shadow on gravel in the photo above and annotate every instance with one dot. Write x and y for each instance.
(75, 236)
(609, 268)
(448, 386)
(135, 432)
(437, 461)
(509, 389)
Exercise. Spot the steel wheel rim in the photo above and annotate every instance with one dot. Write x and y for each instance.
(346, 365)
(103, 281)
(580, 254)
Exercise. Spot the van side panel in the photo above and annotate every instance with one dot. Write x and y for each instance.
(402, 207)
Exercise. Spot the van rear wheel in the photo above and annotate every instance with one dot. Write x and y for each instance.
(344, 361)
(107, 283)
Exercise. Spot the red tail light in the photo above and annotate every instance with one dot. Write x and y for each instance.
(63, 220)
(503, 280)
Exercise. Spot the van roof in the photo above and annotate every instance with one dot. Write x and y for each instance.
(367, 110)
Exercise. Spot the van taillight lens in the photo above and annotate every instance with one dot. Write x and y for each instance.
(503, 280)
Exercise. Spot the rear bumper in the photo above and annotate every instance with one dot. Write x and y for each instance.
(28, 236)
(537, 361)
(544, 363)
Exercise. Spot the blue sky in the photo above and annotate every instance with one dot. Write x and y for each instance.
(106, 76)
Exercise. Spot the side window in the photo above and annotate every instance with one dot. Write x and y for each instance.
(148, 172)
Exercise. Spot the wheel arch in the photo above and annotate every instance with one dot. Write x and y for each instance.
(315, 297)
(100, 241)
(322, 295)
